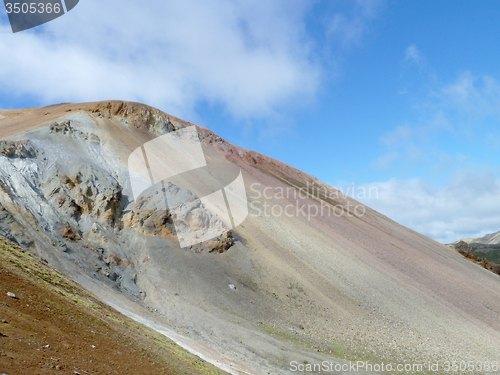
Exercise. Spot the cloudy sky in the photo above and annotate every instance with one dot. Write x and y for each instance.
(401, 95)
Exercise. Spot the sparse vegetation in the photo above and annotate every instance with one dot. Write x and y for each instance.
(489, 251)
(468, 251)
(82, 332)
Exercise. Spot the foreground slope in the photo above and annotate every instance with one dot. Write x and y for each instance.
(309, 269)
(50, 323)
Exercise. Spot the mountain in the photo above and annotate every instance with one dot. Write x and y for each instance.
(309, 275)
(488, 247)
(487, 239)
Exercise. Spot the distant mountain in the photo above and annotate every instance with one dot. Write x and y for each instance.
(304, 275)
(487, 239)
(487, 246)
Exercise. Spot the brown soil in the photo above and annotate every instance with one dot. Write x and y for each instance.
(53, 326)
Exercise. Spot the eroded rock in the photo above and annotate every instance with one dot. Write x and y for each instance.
(17, 149)
(67, 128)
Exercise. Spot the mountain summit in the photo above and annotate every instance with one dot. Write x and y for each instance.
(307, 275)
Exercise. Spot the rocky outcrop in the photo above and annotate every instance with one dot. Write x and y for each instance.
(17, 149)
(463, 248)
(67, 232)
(150, 221)
(151, 215)
(89, 192)
(139, 116)
(13, 230)
(67, 128)
(222, 244)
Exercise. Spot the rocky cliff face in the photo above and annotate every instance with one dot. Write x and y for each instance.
(61, 188)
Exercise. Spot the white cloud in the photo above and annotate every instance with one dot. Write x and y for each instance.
(412, 142)
(250, 57)
(349, 29)
(478, 96)
(468, 205)
(416, 74)
(407, 133)
(386, 160)
(413, 55)
(462, 112)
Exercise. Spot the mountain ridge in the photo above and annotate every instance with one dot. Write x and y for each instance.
(487, 239)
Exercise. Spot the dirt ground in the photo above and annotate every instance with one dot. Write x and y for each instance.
(52, 326)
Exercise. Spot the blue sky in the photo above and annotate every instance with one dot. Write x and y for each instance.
(400, 95)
